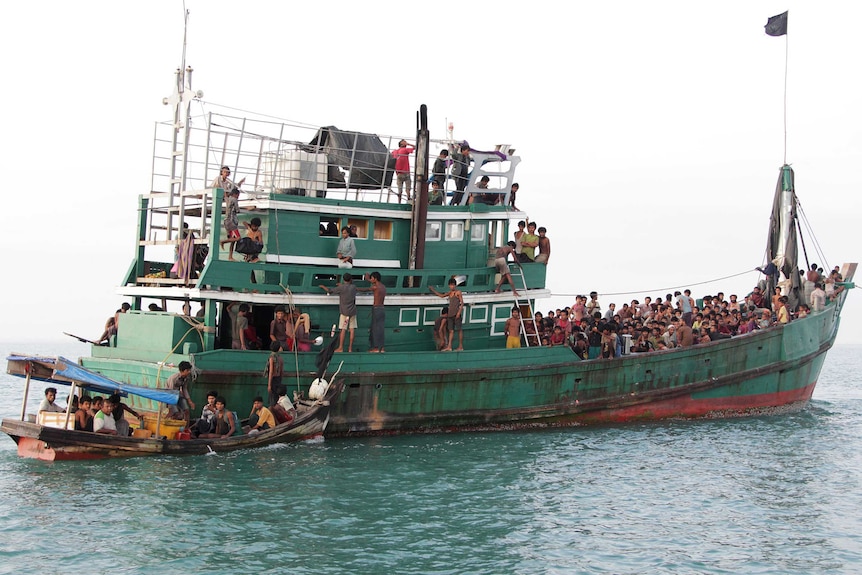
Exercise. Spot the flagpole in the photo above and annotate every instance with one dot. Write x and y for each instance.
(786, 54)
(777, 26)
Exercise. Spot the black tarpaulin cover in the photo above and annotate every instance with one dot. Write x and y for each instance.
(367, 159)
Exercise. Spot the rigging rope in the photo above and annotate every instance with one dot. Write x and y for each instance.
(810, 229)
(636, 292)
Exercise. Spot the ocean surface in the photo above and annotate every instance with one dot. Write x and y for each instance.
(778, 494)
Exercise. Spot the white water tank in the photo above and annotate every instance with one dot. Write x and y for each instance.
(294, 172)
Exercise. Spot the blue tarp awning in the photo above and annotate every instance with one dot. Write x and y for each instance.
(65, 371)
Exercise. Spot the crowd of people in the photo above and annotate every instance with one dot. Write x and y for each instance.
(670, 321)
(107, 415)
(98, 414)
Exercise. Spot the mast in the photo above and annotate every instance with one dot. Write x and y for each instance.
(782, 243)
(181, 101)
(420, 199)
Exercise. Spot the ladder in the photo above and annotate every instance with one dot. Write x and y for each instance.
(523, 301)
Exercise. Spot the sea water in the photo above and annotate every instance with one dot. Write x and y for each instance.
(775, 494)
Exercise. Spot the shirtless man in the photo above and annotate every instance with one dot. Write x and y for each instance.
(513, 329)
(251, 245)
(502, 265)
(253, 233)
(453, 318)
(378, 312)
(544, 247)
(83, 417)
(579, 310)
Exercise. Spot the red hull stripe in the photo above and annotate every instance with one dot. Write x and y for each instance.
(688, 407)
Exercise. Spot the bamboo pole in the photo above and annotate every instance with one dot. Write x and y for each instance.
(26, 391)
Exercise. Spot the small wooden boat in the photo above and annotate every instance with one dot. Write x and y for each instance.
(50, 439)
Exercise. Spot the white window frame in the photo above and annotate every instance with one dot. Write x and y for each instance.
(455, 225)
(474, 315)
(482, 232)
(429, 226)
(401, 320)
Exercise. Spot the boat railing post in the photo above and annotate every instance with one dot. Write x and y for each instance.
(158, 422)
(236, 165)
(26, 391)
(207, 148)
(352, 163)
(385, 170)
(69, 406)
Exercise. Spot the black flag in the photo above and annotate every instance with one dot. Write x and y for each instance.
(777, 25)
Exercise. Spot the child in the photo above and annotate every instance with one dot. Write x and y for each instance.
(252, 244)
(231, 223)
(454, 317)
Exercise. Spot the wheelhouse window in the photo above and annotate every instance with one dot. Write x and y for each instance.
(382, 230)
(329, 227)
(477, 232)
(432, 231)
(454, 231)
(361, 227)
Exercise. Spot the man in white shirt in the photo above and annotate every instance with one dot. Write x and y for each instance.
(103, 422)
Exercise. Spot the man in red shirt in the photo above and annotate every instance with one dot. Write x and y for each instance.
(402, 166)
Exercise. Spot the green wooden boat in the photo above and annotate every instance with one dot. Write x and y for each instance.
(302, 183)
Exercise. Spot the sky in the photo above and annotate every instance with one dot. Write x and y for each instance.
(650, 133)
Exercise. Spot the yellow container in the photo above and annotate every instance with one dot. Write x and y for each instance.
(143, 433)
(169, 427)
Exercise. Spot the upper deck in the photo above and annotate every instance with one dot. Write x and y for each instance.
(304, 183)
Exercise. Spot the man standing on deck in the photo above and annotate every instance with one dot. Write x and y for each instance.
(530, 241)
(544, 247)
(347, 309)
(281, 330)
(378, 313)
(501, 262)
(513, 329)
(402, 166)
(460, 170)
(180, 381)
(438, 172)
(685, 304)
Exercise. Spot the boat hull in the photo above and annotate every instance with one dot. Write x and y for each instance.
(766, 371)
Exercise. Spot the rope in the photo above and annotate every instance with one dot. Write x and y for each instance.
(290, 307)
(636, 292)
(195, 370)
(810, 229)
